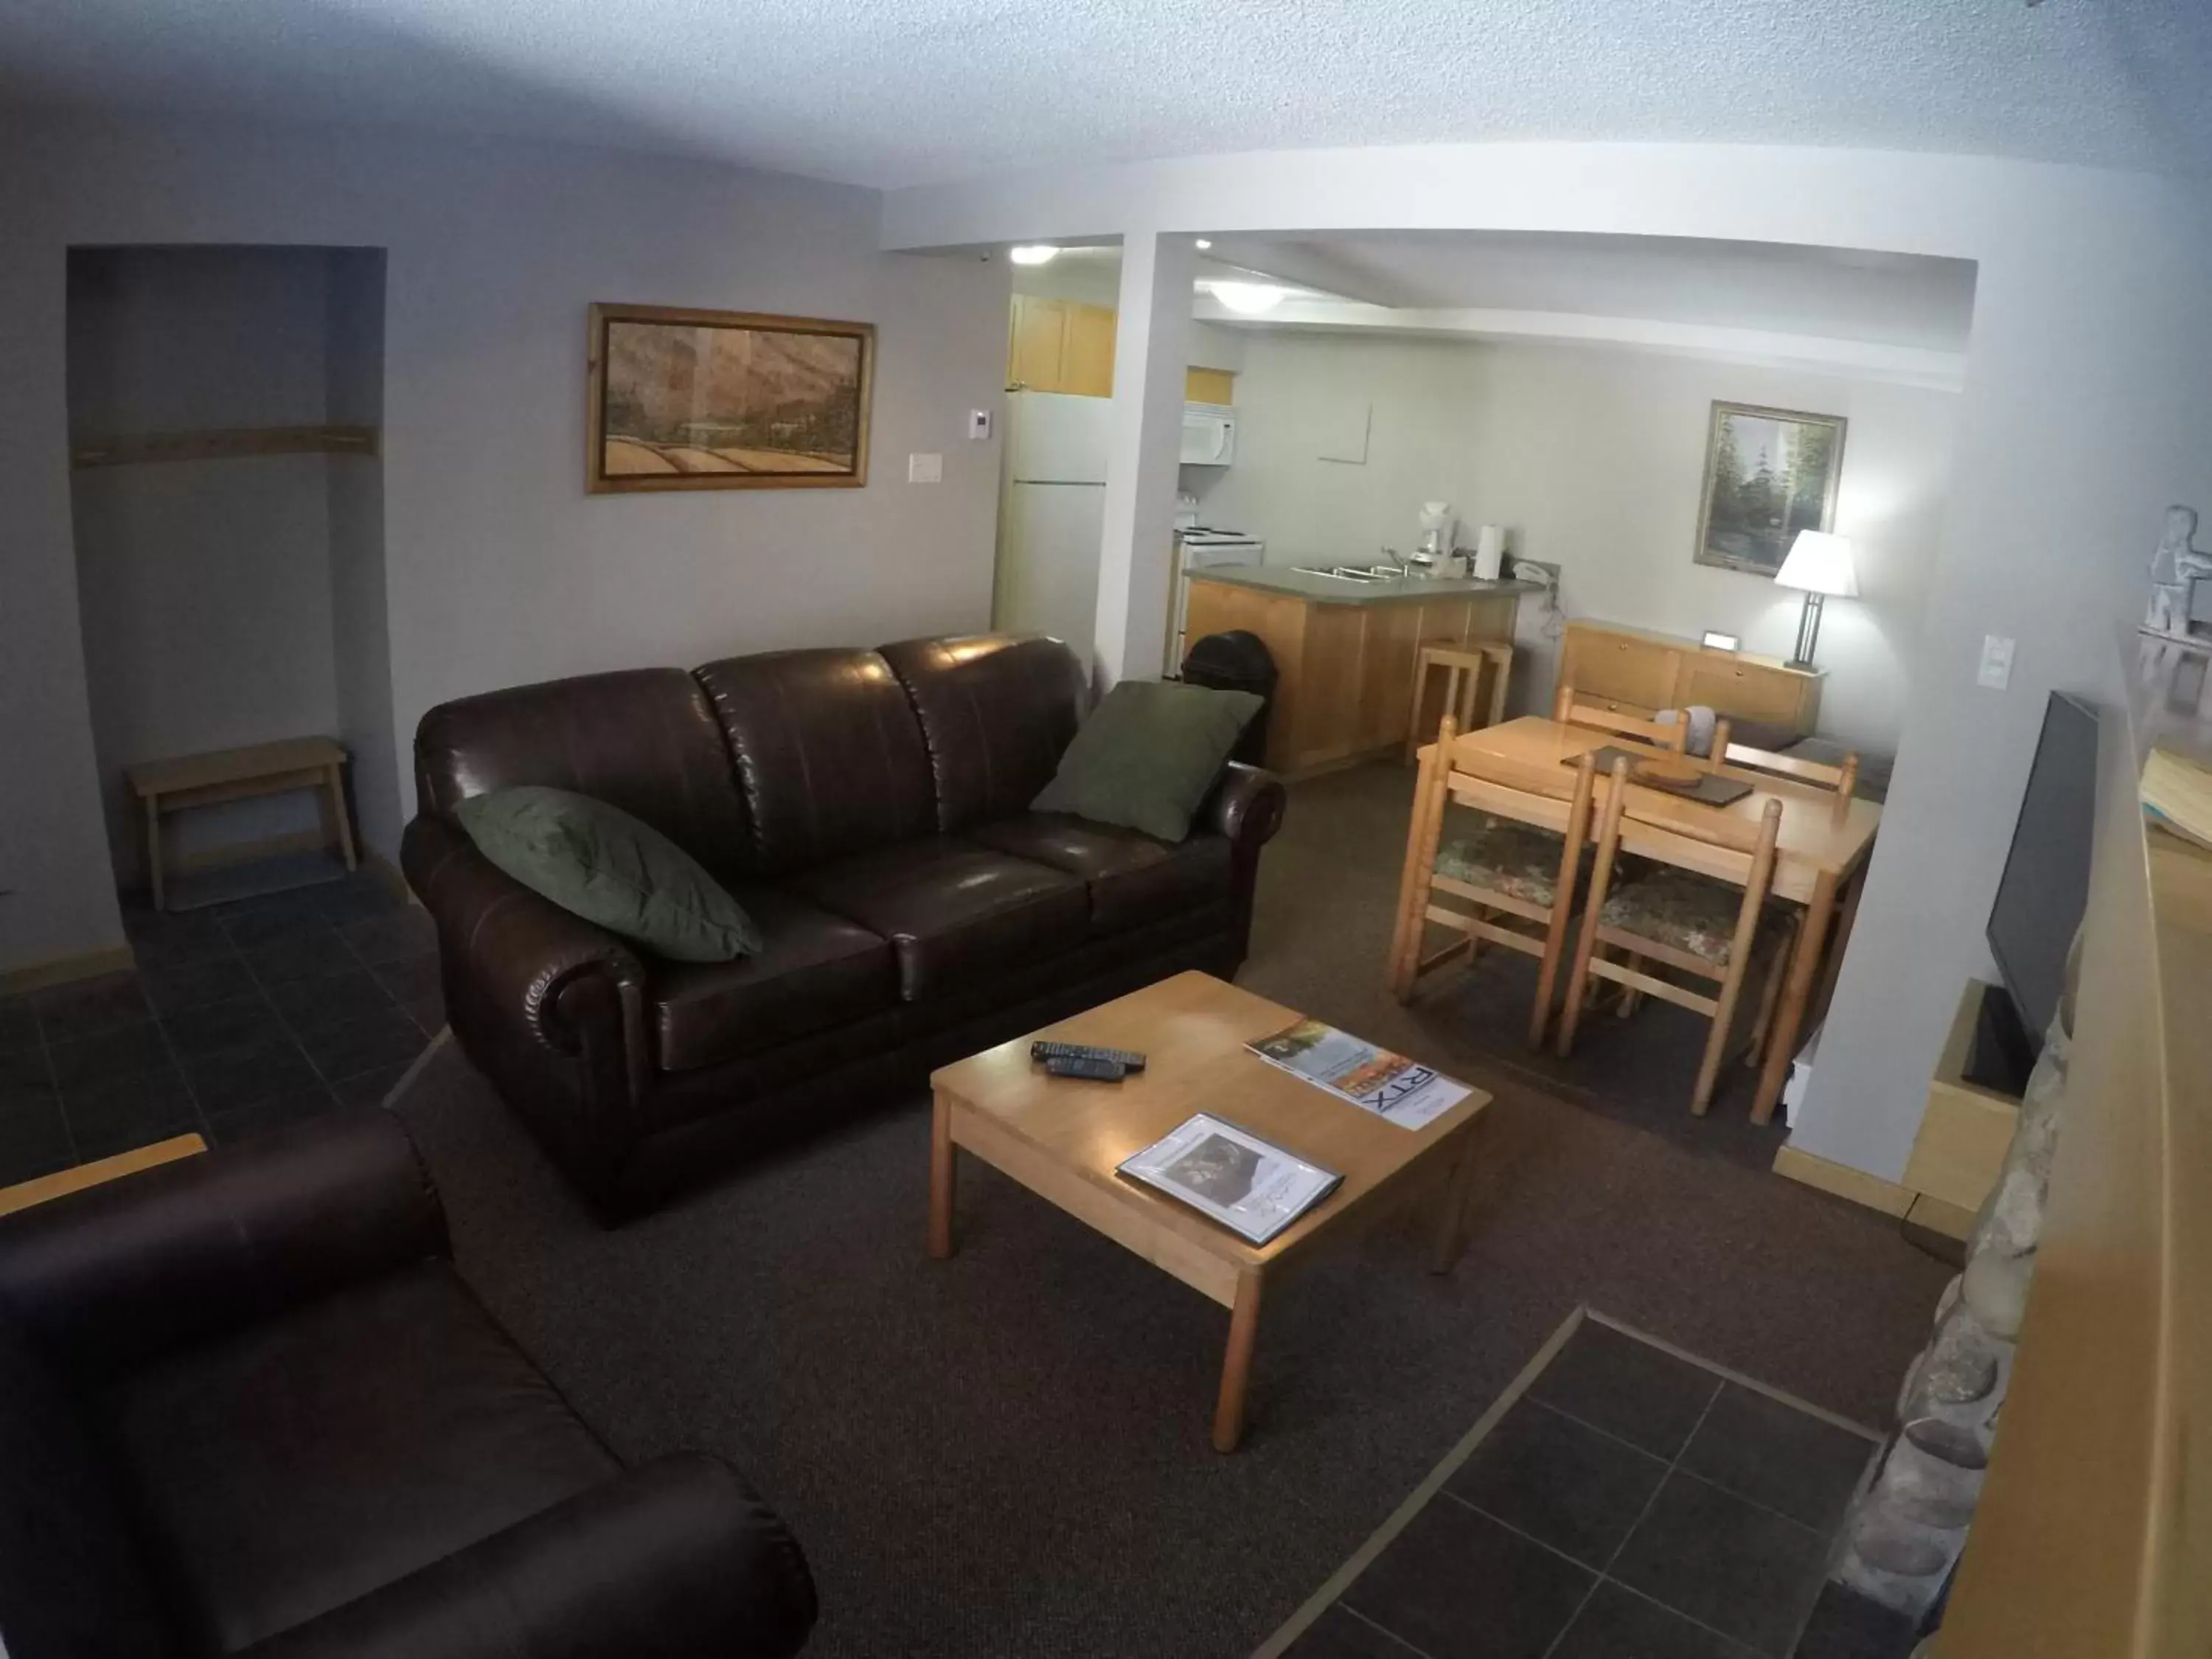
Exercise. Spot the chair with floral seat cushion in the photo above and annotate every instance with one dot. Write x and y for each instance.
(1715, 926)
(1519, 859)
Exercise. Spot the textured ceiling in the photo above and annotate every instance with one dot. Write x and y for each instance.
(896, 92)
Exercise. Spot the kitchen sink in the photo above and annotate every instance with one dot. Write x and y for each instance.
(1341, 574)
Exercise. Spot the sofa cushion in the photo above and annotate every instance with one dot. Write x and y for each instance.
(72, 1580)
(646, 741)
(813, 970)
(1149, 755)
(1133, 878)
(954, 911)
(291, 1469)
(829, 753)
(598, 862)
(997, 711)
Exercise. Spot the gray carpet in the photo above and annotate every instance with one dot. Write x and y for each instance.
(1006, 1454)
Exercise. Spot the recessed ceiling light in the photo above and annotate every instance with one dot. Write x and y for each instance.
(1203, 245)
(1248, 298)
(1036, 253)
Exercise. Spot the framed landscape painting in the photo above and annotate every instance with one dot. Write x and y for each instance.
(1769, 474)
(726, 400)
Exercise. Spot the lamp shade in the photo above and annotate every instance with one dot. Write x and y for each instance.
(1821, 563)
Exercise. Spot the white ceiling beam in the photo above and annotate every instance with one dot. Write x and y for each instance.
(1862, 359)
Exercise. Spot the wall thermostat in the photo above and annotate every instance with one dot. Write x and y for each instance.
(1714, 639)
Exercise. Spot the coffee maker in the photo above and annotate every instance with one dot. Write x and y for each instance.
(1434, 551)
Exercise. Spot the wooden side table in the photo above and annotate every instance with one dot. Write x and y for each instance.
(223, 775)
(1463, 665)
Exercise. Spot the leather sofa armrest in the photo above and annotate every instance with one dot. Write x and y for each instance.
(518, 949)
(214, 1243)
(675, 1560)
(1246, 805)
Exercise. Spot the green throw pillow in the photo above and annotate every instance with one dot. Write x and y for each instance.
(598, 862)
(1148, 754)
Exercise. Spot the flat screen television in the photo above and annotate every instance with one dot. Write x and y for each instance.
(2041, 895)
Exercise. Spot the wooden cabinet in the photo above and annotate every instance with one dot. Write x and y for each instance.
(1636, 671)
(1346, 686)
(1061, 345)
(1065, 345)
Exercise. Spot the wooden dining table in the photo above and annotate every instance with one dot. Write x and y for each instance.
(1821, 859)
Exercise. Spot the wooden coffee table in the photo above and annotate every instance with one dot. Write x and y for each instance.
(1062, 1139)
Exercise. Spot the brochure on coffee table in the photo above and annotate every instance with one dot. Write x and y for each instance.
(1249, 1185)
(1390, 1085)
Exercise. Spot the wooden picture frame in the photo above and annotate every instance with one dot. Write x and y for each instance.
(1784, 467)
(688, 399)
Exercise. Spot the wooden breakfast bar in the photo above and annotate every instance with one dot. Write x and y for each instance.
(1346, 649)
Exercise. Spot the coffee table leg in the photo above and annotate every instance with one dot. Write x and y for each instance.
(940, 1178)
(1236, 1364)
(1451, 1219)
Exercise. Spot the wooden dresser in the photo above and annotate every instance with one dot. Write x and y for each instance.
(1637, 671)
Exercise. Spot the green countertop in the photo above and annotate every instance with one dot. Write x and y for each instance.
(1337, 590)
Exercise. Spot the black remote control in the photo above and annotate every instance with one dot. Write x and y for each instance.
(1127, 1060)
(1082, 1066)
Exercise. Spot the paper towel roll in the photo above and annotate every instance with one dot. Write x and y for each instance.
(1489, 553)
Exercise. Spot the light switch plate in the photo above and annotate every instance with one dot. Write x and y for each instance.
(1996, 662)
(925, 468)
(978, 425)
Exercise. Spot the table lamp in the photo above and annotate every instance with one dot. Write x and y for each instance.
(1819, 565)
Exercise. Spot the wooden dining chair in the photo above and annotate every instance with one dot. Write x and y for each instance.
(1568, 709)
(1711, 926)
(1842, 777)
(1517, 860)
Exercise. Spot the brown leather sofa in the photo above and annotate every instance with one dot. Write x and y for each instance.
(870, 810)
(247, 1407)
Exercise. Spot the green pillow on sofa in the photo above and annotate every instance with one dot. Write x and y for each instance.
(598, 862)
(1148, 754)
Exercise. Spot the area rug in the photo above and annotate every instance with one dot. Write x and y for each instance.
(1006, 1454)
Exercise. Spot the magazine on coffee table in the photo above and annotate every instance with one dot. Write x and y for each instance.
(1250, 1186)
(1393, 1087)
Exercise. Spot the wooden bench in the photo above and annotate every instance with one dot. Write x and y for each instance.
(223, 775)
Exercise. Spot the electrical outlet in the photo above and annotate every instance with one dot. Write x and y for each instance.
(925, 468)
(978, 425)
(1996, 670)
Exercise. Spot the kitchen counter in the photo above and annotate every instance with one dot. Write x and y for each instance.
(1345, 651)
(1337, 590)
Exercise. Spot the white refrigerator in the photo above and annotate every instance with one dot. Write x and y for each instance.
(1051, 515)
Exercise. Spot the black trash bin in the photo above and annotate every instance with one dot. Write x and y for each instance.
(1237, 662)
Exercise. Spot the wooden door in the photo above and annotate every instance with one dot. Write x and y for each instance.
(1087, 356)
(1037, 344)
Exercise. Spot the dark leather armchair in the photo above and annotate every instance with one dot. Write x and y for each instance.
(870, 809)
(247, 1407)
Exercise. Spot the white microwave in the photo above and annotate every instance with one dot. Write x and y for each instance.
(1209, 434)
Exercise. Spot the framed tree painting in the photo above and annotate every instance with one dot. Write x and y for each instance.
(1769, 474)
(726, 400)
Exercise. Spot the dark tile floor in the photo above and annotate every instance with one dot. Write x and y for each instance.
(1630, 1505)
(236, 1019)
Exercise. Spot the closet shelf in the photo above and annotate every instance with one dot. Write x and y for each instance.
(132, 448)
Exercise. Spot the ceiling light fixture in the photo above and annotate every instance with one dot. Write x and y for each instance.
(1249, 299)
(1203, 245)
(1036, 253)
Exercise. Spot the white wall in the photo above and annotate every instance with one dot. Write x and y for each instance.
(1592, 459)
(359, 612)
(2087, 398)
(204, 585)
(499, 569)
(1295, 392)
